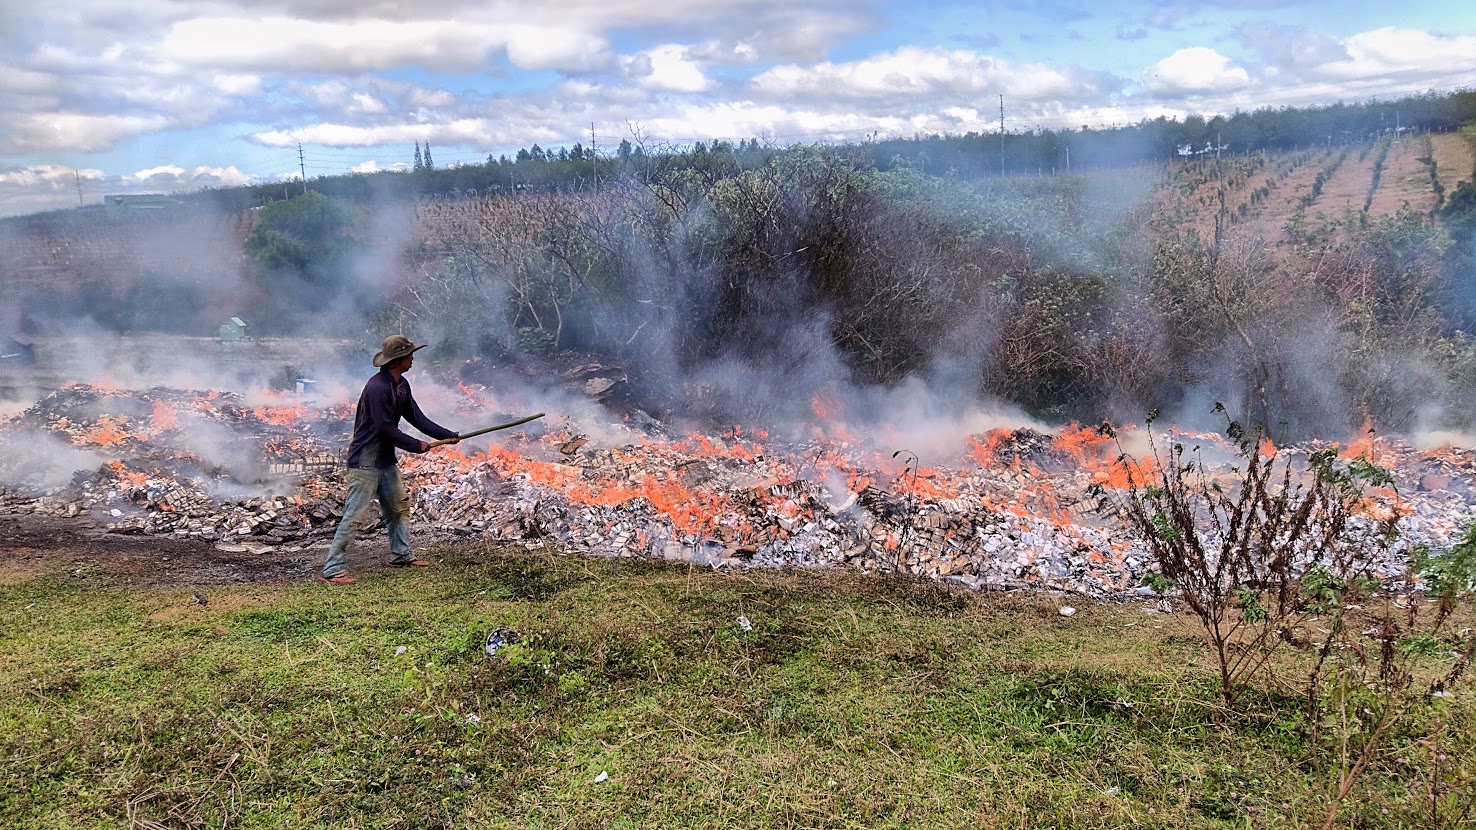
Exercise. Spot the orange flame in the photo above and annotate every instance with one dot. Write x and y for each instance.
(825, 405)
(109, 431)
(126, 476)
(280, 415)
(985, 447)
(165, 417)
(1084, 445)
(1364, 446)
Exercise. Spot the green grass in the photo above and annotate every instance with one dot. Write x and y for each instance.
(853, 702)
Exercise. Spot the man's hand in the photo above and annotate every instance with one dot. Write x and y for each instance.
(455, 439)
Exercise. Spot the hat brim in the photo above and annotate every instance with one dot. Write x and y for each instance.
(380, 358)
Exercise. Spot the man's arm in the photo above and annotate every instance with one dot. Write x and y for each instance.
(418, 420)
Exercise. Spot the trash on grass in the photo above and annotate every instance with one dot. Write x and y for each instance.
(744, 624)
(1067, 611)
(602, 777)
(499, 637)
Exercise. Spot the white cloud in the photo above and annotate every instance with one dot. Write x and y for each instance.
(170, 175)
(47, 174)
(1193, 71)
(669, 68)
(475, 132)
(431, 98)
(15, 80)
(237, 84)
(75, 131)
(373, 166)
(1391, 51)
(365, 103)
(548, 47)
(287, 44)
(164, 171)
(917, 76)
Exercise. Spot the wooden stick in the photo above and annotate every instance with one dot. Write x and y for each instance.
(475, 433)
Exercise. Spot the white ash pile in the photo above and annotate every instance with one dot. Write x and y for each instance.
(1015, 512)
(174, 462)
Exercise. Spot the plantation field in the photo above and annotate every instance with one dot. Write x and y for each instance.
(644, 696)
(1263, 192)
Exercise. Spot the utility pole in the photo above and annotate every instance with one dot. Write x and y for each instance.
(78, 177)
(594, 164)
(1001, 135)
(1068, 159)
(302, 165)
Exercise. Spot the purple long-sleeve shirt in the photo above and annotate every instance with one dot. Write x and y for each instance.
(377, 423)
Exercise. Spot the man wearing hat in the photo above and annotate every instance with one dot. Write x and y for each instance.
(372, 471)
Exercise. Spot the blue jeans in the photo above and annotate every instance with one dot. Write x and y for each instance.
(394, 502)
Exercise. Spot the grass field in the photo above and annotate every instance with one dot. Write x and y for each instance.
(638, 698)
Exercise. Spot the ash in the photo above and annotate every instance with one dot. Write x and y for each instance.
(1011, 510)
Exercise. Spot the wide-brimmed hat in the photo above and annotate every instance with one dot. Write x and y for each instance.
(395, 347)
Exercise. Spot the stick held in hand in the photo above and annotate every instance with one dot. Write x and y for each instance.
(473, 434)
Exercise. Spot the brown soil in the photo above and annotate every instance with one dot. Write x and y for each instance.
(1269, 222)
(1453, 159)
(32, 546)
(1405, 179)
(1348, 187)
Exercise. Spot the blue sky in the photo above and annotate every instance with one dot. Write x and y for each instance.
(171, 95)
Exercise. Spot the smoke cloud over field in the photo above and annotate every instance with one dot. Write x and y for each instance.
(913, 310)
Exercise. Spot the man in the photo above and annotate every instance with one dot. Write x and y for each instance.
(372, 471)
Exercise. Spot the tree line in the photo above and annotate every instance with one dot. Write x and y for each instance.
(972, 155)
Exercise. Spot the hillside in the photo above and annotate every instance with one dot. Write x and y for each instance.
(1070, 296)
(1259, 194)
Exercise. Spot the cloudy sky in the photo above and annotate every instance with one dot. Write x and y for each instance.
(169, 95)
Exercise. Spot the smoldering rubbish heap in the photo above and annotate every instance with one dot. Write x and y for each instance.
(1008, 508)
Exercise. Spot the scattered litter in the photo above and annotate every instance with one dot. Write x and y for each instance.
(473, 717)
(399, 650)
(744, 624)
(1068, 611)
(499, 637)
(602, 777)
(1112, 791)
(1441, 693)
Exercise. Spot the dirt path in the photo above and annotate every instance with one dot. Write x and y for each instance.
(34, 546)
